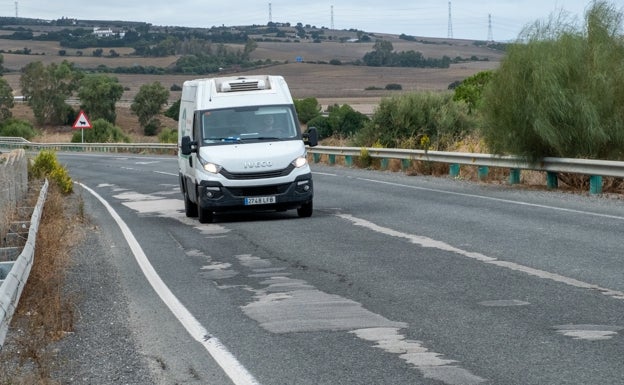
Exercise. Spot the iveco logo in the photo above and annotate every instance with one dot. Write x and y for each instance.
(260, 164)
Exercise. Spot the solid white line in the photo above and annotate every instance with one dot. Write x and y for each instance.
(234, 369)
(432, 243)
(165, 173)
(618, 217)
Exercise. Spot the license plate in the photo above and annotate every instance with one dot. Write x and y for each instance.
(259, 200)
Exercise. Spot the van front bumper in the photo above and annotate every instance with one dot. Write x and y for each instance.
(214, 196)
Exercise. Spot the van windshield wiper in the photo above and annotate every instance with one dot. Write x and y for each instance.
(225, 139)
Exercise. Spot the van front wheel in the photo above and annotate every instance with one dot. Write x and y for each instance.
(205, 216)
(190, 208)
(305, 210)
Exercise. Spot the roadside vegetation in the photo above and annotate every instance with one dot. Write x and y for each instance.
(46, 311)
(558, 91)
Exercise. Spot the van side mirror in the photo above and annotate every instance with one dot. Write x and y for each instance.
(187, 146)
(310, 137)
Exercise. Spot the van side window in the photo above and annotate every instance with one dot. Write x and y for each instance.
(197, 127)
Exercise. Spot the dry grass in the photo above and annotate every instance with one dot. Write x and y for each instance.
(45, 312)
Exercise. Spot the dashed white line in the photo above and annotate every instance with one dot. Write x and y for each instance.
(432, 243)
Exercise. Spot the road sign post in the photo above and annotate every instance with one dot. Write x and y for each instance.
(81, 123)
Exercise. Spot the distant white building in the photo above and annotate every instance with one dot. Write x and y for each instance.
(101, 32)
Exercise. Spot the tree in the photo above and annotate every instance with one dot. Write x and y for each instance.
(47, 87)
(471, 89)
(560, 92)
(148, 103)
(250, 46)
(6, 100)
(381, 54)
(307, 109)
(98, 95)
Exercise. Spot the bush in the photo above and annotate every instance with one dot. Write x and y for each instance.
(402, 121)
(151, 128)
(45, 165)
(19, 128)
(323, 128)
(168, 135)
(559, 93)
(103, 131)
(393, 87)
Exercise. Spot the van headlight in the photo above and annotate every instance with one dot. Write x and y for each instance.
(210, 167)
(300, 162)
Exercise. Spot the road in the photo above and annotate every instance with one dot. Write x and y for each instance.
(393, 280)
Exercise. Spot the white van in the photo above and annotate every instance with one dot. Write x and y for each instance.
(241, 147)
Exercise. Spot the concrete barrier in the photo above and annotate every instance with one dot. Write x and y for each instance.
(14, 274)
(16, 245)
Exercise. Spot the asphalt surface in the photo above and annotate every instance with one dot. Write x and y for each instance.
(394, 280)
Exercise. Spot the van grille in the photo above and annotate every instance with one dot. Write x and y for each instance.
(257, 175)
(258, 190)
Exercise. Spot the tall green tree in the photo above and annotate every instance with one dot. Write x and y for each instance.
(148, 103)
(98, 96)
(560, 91)
(47, 87)
(6, 100)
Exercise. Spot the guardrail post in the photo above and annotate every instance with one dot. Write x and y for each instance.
(454, 170)
(482, 172)
(552, 180)
(332, 159)
(348, 160)
(514, 176)
(316, 157)
(384, 163)
(406, 163)
(595, 184)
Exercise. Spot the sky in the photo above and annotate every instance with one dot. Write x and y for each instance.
(470, 19)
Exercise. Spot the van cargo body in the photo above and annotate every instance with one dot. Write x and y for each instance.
(241, 147)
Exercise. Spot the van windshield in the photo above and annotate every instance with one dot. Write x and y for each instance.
(235, 125)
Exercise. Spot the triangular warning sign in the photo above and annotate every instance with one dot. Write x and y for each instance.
(82, 121)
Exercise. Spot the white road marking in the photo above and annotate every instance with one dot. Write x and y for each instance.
(428, 242)
(411, 351)
(226, 360)
(166, 173)
(520, 203)
(288, 305)
(589, 332)
(504, 303)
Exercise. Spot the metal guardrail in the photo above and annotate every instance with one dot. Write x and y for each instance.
(13, 143)
(596, 169)
(12, 285)
(571, 165)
